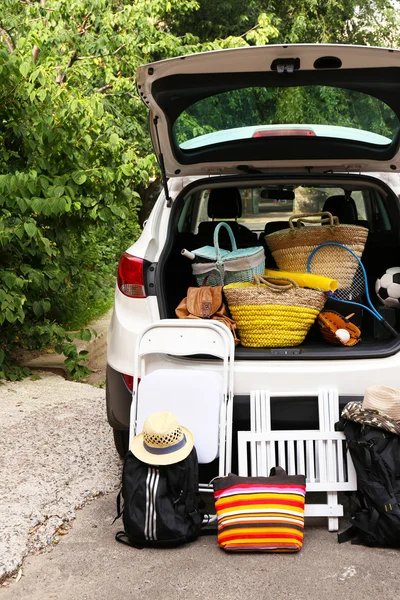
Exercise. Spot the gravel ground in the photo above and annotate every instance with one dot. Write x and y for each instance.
(56, 453)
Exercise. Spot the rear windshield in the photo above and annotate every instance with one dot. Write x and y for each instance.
(312, 111)
(267, 204)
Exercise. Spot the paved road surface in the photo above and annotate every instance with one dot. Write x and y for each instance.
(89, 564)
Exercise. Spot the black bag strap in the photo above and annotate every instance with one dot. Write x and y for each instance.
(396, 453)
(277, 471)
(119, 509)
(347, 535)
(364, 521)
(121, 537)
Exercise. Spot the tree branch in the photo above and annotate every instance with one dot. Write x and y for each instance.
(105, 87)
(7, 39)
(101, 55)
(36, 49)
(62, 75)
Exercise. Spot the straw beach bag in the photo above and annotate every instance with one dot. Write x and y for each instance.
(273, 311)
(292, 247)
(227, 266)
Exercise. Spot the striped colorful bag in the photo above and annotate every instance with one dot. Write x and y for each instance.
(260, 513)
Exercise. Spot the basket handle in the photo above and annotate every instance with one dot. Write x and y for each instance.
(269, 282)
(326, 217)
(231, 237)
(204, 283)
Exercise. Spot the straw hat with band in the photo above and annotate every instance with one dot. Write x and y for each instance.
(380, 408)
(163, 440)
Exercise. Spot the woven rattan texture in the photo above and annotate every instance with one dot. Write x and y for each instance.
(267, 316)
(292, 247)
(259, 295)
(272, 326)
(313, 236)
(158, 440)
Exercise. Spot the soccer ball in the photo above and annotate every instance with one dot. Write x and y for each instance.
(387, 288)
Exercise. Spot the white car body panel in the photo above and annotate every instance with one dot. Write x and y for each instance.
(250, 60)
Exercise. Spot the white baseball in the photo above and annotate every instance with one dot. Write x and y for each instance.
(343, 335)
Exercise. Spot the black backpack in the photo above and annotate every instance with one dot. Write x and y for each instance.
(376, 457)
(162, 505)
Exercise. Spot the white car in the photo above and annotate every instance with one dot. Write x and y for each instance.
(251, 136)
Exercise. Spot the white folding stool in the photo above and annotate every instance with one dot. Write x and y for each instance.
(320, 454)
(199, 393)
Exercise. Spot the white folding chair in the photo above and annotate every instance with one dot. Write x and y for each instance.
(199, 393)
(319, 454)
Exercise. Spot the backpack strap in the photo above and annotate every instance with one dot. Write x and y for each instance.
(196, 507)
(121, 537)
(119, 509)
(396, 454)
(363, 526)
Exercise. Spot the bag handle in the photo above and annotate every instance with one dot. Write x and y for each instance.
(326, 217)
(216, 235)
(204, 282)
(274, 287)
(277, 471)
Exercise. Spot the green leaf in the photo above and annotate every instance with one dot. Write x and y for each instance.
(24, 68)
(54, 285)
(9, 279)
(127, 170)
(58, 191)
(2, 355)
(86, 335)
(79, 177)
(10, 316)
(38, 204)
(37, 308)
(30, 229)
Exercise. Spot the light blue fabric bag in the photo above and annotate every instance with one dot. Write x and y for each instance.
(227, 266)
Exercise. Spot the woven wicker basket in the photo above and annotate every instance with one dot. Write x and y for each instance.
(273, 311)
(292, 247)
(227, 266)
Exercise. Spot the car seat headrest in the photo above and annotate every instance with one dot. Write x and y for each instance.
(224, 203)
(343, 207)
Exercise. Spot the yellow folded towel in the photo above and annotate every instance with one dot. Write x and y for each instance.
(317, 282)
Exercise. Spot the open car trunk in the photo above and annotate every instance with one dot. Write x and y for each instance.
(264, 205)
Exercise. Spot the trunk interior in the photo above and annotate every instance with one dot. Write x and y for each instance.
(259, 206)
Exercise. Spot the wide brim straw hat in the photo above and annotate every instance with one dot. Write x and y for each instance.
(163, 440)
(380, 408)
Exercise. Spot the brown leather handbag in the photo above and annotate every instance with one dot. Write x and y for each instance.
(206, 302)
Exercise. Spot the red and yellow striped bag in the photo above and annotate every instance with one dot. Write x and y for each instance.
(260, 513)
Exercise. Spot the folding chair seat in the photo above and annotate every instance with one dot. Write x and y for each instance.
(201, 397)
(195, 397)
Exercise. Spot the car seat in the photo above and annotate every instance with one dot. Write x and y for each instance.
(223, 204)
(343, 207)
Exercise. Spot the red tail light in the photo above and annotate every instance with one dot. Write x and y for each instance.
(128, 380)
(282, 132)
(130, 276)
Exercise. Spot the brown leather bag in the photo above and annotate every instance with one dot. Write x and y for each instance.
(206, 302)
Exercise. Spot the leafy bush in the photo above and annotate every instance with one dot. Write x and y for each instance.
(75, 149)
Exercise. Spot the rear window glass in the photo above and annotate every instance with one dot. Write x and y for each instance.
(262, 205)
(313, 111)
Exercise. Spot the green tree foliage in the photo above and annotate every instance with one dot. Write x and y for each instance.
(292, 21)
(74, 150)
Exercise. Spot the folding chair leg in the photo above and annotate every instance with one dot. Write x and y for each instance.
(332, 500)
